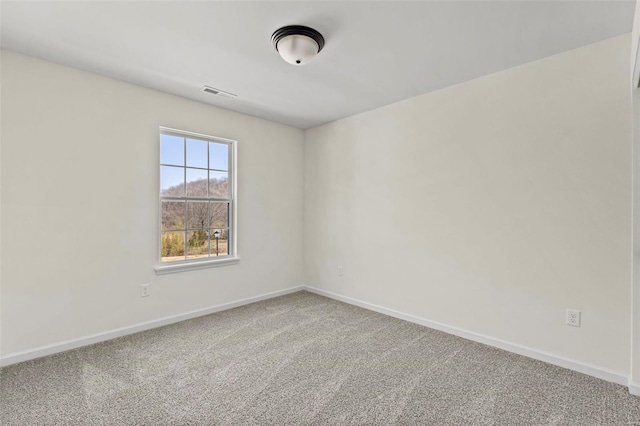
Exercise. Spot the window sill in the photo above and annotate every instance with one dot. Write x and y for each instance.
(191, 266)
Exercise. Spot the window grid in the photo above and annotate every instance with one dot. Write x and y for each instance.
(208, 228)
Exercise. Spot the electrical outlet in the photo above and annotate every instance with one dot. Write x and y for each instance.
(145, 291)
(340, 271)
(573, 317)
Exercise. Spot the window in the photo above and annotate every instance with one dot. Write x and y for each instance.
(196, 201)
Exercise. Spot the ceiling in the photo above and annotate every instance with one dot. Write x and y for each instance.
(376, 53)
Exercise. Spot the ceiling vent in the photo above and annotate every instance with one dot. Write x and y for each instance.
(219, 92)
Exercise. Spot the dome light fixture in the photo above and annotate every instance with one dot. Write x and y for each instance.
(297, 44)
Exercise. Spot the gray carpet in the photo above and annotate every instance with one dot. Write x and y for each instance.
(303, 359)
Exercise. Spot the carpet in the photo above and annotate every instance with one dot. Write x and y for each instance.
(303, 359)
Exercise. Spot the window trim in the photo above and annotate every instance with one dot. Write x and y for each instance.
(205, 262)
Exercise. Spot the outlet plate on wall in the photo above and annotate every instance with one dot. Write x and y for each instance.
(573, 317)
(145, 291)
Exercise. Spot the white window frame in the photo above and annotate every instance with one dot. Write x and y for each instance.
(207, 262)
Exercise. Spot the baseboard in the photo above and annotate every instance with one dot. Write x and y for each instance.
(634, 388)
(600, 373)
(16, 357)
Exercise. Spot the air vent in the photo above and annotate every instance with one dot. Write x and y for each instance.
(218, 92)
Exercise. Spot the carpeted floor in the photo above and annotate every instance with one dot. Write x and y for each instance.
(303, 359)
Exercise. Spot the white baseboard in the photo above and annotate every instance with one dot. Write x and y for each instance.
(16, 357)
(591, 370)
(601, 373)
(634, 388)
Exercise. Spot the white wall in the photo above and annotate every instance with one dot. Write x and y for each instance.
(80, 205)
(490, 206)
(635, 96)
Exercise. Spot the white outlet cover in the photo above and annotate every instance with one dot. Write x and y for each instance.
(144, 290)
(573, 317)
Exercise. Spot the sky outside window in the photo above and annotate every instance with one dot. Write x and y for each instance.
(192, 153)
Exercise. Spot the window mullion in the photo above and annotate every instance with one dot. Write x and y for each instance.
(184, 194)
(184, 184)
(173, 198)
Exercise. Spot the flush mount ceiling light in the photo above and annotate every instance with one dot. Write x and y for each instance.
(297, 44)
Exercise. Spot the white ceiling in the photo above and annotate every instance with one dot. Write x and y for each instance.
(376, 53)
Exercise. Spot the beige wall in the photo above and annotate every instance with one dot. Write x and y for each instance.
(635, 96)
(80, 205)
(491, 206)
